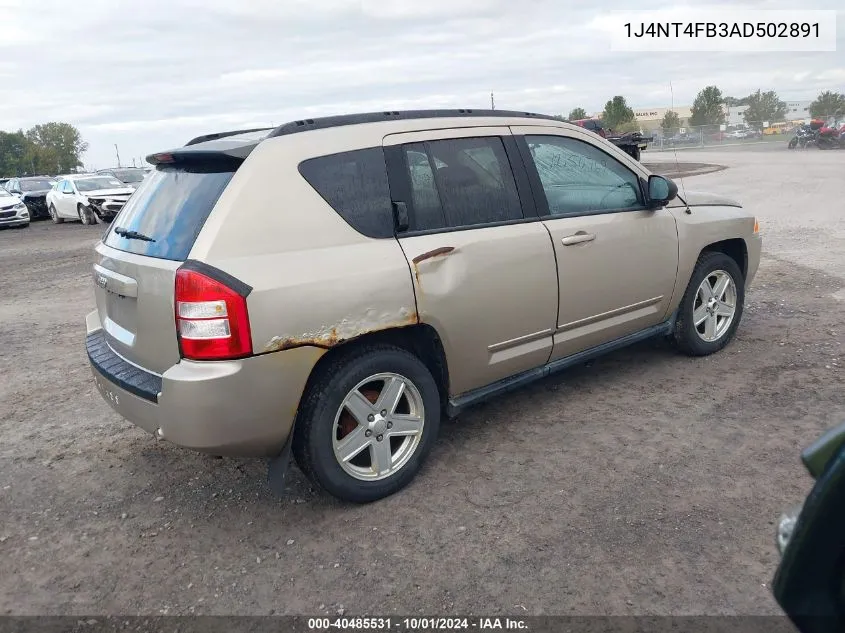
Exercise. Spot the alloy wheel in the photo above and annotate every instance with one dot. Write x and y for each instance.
(378, 427)
(715, 306)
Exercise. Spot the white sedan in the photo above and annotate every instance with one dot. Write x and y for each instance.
(87, 198)
(13, 212)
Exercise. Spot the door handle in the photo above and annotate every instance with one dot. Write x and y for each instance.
(578, 238)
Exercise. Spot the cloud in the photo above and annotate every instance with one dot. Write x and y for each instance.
(150, 75)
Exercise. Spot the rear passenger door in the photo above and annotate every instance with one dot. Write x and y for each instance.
(483, 265)
(66, 201)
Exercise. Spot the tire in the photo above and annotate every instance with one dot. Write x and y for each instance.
(54, 215)
(714, 333)
(793, 143)
(635, 154)
(324, 422)
(86, 215)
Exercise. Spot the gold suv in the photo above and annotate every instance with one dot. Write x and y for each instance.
(334, 287)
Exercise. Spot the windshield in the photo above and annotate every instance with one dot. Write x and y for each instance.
(93, 184)
(130, 175)
(36, 185)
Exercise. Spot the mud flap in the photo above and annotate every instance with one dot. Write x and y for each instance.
(278, 466)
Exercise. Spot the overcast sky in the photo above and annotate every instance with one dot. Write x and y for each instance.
(150, 74)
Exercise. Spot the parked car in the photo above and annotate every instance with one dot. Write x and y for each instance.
(13, 211)
(87, 199)
(810, 579)
(333, 287)
(32, 190)
(130, 176)
(3, 182)
(680, 139)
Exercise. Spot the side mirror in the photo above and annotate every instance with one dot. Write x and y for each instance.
(661, 190)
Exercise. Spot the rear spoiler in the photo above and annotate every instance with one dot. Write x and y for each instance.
(219, 135)
(214, 147)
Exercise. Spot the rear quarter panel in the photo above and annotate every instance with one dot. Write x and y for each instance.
(316, 280)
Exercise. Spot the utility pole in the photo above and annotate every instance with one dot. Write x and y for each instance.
(118, 154)
(492, 101)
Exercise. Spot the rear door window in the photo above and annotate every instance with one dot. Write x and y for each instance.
(166, 213)
(355, 185)
(460, 183)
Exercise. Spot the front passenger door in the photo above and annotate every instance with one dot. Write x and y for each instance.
(617, 260)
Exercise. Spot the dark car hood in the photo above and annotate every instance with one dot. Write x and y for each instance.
(704, 199)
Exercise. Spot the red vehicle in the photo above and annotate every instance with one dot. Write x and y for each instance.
(831, 135)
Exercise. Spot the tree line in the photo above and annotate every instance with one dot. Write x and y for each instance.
(708, 110)
(48, 148)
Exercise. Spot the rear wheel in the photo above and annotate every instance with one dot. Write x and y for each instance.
(367, 423)
(86, 214)
(54, 215)
(712, 305)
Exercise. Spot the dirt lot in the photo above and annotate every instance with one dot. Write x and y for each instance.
(645, 482)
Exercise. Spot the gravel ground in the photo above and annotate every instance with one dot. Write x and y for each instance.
(641, 483)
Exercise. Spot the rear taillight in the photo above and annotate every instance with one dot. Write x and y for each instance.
(212, 321)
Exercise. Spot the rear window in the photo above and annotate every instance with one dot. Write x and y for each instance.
(170, 208)
(355, 185)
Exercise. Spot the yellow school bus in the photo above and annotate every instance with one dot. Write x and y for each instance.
(781, 127)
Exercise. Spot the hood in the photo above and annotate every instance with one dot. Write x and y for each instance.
(7, 203)
(117, 191)
(704, 199)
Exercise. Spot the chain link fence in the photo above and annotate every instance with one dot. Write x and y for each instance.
(744, 133)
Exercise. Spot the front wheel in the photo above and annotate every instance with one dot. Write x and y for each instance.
(793, 143)
(712, 305)
(367, 423)
(86, 215)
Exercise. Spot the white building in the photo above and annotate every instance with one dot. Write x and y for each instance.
(795, 111)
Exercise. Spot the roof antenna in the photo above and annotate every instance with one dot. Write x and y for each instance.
(675, 151)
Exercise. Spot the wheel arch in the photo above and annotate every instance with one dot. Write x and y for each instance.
(420, 339)
(735, 248)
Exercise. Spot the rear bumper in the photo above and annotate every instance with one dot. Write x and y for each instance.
(238, 408)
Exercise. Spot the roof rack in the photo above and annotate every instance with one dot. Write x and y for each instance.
(321, 123)
(218, 135)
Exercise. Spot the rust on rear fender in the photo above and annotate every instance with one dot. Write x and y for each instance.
(346, 330)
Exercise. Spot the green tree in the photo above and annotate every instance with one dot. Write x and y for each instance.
(764, 106)
(707, 108)
(13, 149)
(616, 112)
(828, 104)
(576, 114)
(58, 147)
(671, 123)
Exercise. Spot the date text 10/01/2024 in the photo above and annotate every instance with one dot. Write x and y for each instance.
(747, 30)
(416, 624)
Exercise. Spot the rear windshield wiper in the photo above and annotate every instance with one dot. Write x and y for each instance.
(132, 235)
